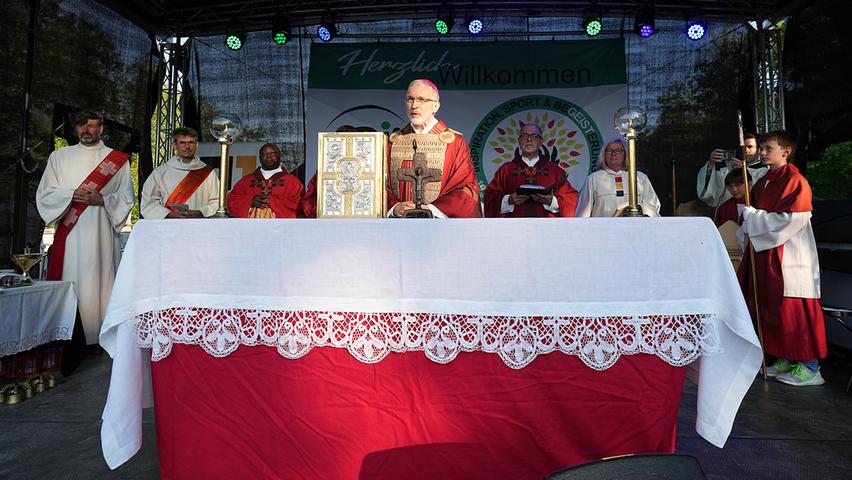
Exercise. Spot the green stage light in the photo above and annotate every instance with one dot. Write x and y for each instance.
(444, 25)
(592, 26)
(280, 37)
(235, 41)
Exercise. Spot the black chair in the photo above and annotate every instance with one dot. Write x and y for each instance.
(635, 467)
(843, 317)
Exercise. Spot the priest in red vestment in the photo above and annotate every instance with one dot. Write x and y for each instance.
(778, 227)
(530, 171)
(268, 192)
(456, 194)
(728, 210)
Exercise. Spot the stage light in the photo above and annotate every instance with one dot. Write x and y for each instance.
(644, 25)
(444, 24)
(592, 24)
(475, 25)
(327, 31)
(281, 33)
(235, 41)
(695, 29)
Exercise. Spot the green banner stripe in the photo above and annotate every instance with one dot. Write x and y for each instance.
(468, 66)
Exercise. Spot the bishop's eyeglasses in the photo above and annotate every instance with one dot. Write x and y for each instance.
(419, 100)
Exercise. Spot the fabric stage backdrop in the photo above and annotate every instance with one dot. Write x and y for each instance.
(571, 89)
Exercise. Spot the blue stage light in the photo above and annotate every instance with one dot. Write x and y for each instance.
(475, 25)
(695, 30)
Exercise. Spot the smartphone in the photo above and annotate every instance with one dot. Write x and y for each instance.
(732, 153)
(179, 206)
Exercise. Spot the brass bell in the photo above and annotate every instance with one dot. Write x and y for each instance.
(51, 382)
(11, 395)
(37, 383)
(27, 389)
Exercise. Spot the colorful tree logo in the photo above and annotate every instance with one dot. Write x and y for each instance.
(571, 137)
(558, 139)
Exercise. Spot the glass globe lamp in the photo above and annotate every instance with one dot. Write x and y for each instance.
(226, 128)
(630, 121)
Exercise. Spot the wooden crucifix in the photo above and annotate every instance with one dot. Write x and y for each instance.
(420, 174)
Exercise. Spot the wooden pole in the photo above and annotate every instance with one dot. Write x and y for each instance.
(752, 266)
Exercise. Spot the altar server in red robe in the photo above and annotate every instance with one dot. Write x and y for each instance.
(778, 228)
(268, 192)
(728, 210)
(457, 192)
(532, 170)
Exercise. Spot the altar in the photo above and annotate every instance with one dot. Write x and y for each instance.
(420, 349)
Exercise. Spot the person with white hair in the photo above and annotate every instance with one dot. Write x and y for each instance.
(606, 192)
(452, 189)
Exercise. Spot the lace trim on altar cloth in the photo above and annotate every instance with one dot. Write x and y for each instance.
(12, 347)
(369, 337)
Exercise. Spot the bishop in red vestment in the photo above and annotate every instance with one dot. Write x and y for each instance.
(268, 192)
(532, 170)
(458, 193)
(779, 231)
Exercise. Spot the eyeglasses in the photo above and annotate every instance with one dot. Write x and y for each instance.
(614, 150)
(419, 100)
(529, 136)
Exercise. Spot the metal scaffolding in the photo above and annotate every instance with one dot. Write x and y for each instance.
(170, 105)
(767, 41)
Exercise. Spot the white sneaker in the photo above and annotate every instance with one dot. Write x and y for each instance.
(801, 376)
(780, 366)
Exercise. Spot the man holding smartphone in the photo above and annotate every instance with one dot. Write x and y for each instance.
(711, 178)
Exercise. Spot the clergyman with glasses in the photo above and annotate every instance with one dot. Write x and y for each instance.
(441, 153)
(606, 192)
(532, 184)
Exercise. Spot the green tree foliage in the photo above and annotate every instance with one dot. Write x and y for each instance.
(831, 176)
(76, 63)
(697, 115)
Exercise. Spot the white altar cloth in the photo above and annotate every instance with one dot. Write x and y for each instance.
(591, 268)
(36, 314)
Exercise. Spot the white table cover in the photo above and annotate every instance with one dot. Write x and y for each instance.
(36, 314)
(515, 268)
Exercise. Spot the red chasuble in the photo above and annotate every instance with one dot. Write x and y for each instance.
(793, 328)
(285, 194)
(308, 205)
(96, 180)
(728, 211)
(459, 195)
(513, 174)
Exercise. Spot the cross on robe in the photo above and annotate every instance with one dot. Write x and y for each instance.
(71, 217)
(530, 173)
(108, 168)
(266, 185)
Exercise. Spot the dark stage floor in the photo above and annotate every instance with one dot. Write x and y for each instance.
(781, 432)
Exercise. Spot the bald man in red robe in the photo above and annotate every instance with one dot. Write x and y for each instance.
(532, 171)
(445, 150)
(268, 192)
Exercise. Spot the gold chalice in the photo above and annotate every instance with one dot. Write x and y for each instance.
(26, 261)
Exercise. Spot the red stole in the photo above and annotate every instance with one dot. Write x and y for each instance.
(187, 186)
(96, 180)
